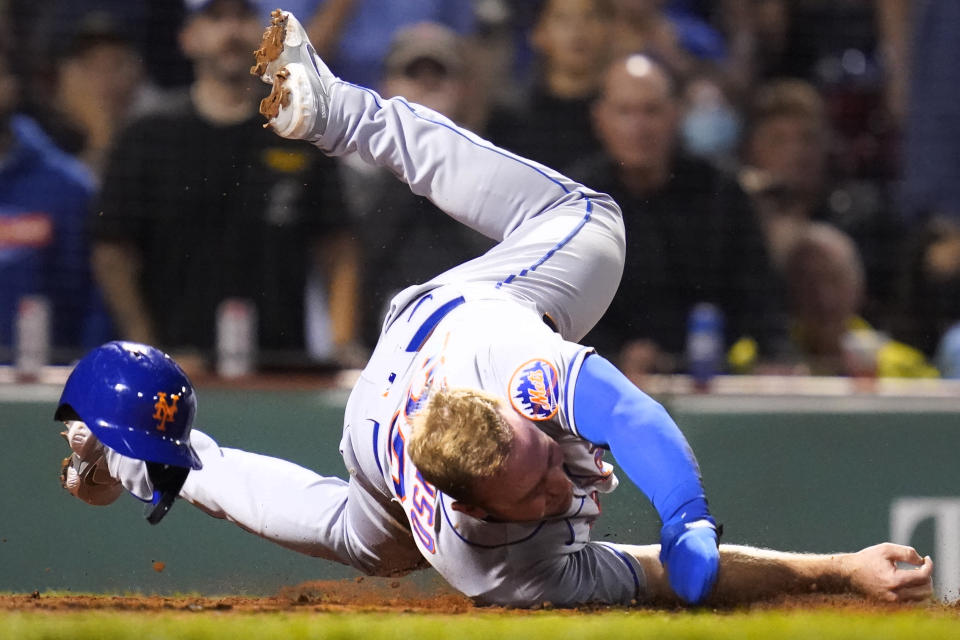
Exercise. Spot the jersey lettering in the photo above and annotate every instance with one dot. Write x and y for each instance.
(422, 513)
(397, 455)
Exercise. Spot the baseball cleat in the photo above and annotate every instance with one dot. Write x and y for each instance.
(297, 107)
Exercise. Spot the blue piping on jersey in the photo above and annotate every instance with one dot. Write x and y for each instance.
(443, 507)
(376, 454)
(431, 322)
(633, 572)
(549, 254)
(422, 299)
(573, 536)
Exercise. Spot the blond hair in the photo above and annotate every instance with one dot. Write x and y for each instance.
(459, 438)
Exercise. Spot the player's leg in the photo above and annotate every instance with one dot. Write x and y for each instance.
(287, 504)
(749, 574)
(562, 244)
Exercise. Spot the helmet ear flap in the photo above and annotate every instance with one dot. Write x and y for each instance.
(167, 481)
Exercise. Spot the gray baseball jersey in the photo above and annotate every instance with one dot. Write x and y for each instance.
(483, 324)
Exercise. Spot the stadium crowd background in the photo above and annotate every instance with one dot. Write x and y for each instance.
(795, 163)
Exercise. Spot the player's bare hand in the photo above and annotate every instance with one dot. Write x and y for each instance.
(875, 573)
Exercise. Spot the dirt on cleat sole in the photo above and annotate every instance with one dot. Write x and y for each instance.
(279, 97)
(271, 45)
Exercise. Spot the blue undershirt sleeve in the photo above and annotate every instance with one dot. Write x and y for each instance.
(611, 411)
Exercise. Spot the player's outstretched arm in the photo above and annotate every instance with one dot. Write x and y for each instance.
(610, 410)
(748, 574)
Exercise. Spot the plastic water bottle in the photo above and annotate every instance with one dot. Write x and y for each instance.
(236, 337)
(704, 344)
(948, 353)
(32, 336)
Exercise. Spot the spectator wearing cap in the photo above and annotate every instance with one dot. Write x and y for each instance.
(354, 36)
(427, 64)
(201, 203)
(406, 239)
(571, 39)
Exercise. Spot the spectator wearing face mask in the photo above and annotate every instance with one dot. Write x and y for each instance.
(710, 126)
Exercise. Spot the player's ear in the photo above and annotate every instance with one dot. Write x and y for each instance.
(471, 510)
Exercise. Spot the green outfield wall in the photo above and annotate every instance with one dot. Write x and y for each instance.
(800, 473)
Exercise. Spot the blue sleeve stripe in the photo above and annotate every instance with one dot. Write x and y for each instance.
(569, 384)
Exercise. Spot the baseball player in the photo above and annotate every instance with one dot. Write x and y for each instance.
(474, 438)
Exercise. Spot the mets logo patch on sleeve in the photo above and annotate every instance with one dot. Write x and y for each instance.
(533, 390)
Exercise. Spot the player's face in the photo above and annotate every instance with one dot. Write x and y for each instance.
(532, 484)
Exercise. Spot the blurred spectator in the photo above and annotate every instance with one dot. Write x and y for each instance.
(406, 239)
(203, 203)
(427, 64)
(44, 201)
(692, 235)
(826, 282)
(672, 34)
(785, 156)
(99, 79)
(821, 41)
(930, 287)
(710, 127)
(47, 30)
(787, 164)
(923, 49)
(572, 42)
(353, 35)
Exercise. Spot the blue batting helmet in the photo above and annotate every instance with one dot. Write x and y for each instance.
(136, 400)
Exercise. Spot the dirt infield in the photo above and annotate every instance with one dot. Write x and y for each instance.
(392, 596)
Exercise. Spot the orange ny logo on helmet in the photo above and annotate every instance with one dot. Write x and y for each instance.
(165, 412)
